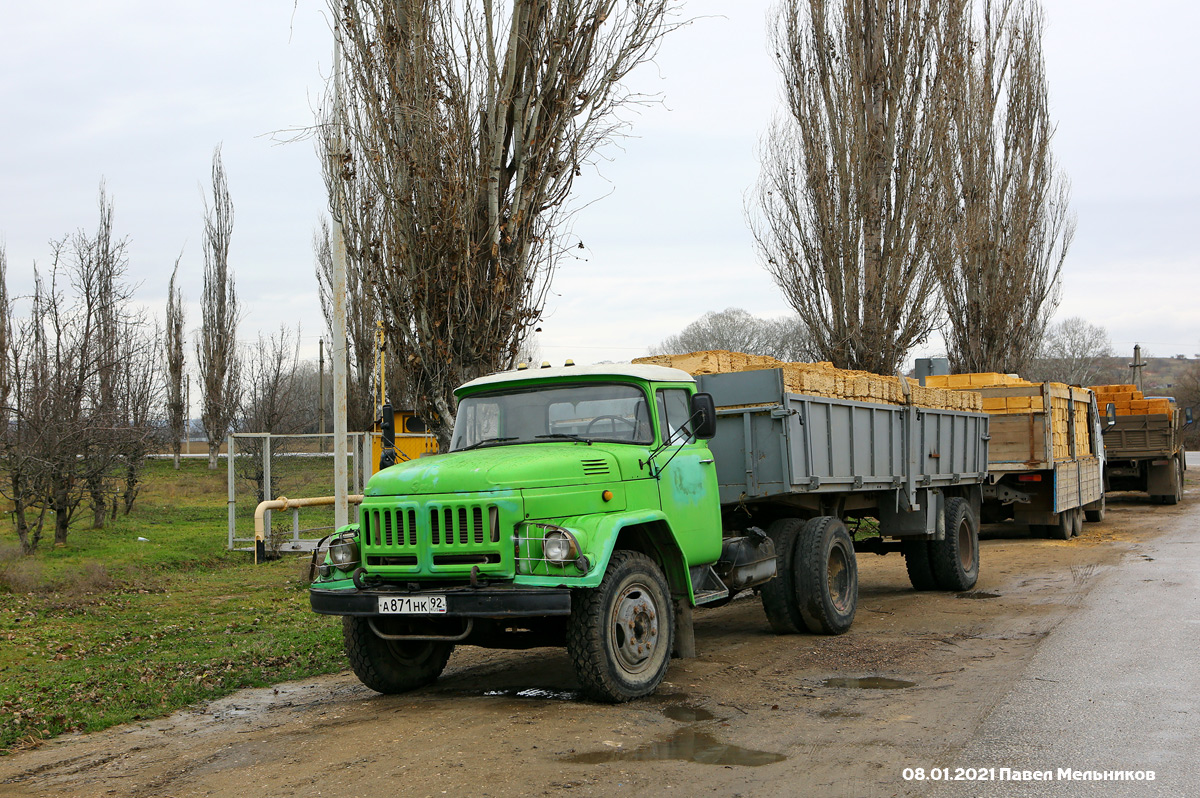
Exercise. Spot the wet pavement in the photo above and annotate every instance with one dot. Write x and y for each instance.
(1115, 689)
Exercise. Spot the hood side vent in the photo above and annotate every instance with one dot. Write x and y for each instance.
(595, 468)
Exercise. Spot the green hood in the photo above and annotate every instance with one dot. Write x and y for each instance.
(494, 468)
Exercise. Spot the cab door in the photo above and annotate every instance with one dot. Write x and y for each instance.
(687, 481)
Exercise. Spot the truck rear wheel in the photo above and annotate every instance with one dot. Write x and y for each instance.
(620, 634)
(916, 562)
(1177, 493)
(392, 666)
(1095, 515)
(779, 594)
(1065, 528)
(826, 576)
(955, 559)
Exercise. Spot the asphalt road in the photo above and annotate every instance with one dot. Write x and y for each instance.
(1115, 687)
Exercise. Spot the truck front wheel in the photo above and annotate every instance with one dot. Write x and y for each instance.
(826, 576)
(955, 558)
(392, 666)
(620, 634)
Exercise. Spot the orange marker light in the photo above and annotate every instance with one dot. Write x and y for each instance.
(607, 495)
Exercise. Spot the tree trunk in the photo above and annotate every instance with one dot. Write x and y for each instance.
(213, 449)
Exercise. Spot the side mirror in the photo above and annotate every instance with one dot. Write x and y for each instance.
(704, 416)
(1187, 416)
(387, 454)
(1110, 413)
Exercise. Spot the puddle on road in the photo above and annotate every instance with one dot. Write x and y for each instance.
(687, 745)
(977, 594)
(839, 713)
(688, 714)
(536, 692)
(868, 683)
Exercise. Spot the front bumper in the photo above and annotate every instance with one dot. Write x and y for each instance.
(461, 602)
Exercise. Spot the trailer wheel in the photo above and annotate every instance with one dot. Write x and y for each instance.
(1076, 522)
(1097, 515)
(779, 594)
(955, 559)
(620, 634)
(1174, 496)
(392, 666)
(1065, 527)
(916, 562)
(826, 576)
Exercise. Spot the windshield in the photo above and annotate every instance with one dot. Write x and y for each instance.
(593, 412)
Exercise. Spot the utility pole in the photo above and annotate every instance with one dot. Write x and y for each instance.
(187, 415)
(1137, 365)
(340, 353)
(321, 392)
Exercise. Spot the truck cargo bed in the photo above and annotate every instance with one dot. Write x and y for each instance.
(770, 442)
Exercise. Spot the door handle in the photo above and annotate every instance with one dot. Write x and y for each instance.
(709, 460)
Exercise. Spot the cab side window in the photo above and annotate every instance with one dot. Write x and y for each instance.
(674, 410)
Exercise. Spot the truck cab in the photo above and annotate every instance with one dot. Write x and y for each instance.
(572, 508)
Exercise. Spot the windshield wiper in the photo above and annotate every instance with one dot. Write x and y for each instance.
(570, 436)
(484, 441)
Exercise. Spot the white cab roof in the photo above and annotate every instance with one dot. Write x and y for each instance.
(637, 370)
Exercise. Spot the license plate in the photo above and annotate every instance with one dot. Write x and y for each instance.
(412, 605)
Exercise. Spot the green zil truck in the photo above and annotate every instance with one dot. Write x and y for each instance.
(596, 507)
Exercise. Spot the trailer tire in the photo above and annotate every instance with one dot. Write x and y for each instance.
(779, 594)
(826, 576)
(1065, 527)
(1097, 515)
(1077, 522)
(916, 562)
(955, 559)
(392, 666)
(621, 633)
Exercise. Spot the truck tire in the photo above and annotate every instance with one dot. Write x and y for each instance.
(621, 633)
(1076, 522)
(1175, 495)
(826, 576)
(916, 562)
(1097, 515)
(391, 666)
(955, 559)
(779, 594)
(1065, 528)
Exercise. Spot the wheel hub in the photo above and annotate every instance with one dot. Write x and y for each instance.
(634, 628)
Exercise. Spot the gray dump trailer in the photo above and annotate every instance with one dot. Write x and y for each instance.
(907, 478)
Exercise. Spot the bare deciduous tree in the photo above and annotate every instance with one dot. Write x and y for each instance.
(173, 348)
(271, 403)
(844, 213)
(468, 122)
(1008, 223)
(1073, 351)
(216, 351)
(736, 330)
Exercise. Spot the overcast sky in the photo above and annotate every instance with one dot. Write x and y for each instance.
(138, 93)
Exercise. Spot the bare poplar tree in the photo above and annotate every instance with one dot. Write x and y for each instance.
(468, 121)
(216, 351)
(173, 347)
(844, 217)
(360, 322)
(1008, 224)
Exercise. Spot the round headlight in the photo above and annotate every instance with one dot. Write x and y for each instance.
(558, 546)
(343, 553)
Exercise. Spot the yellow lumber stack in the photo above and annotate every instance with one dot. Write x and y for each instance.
(1008, 394)
(821, 379)
(1130, 401)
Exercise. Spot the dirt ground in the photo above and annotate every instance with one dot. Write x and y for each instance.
(753, 715)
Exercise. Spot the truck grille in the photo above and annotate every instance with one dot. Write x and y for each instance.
(450, 537)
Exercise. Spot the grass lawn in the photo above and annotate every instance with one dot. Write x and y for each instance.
(110, 629)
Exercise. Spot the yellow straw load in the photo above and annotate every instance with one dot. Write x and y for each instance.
(1130, 401)
(1008, 394)
(821, 379)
